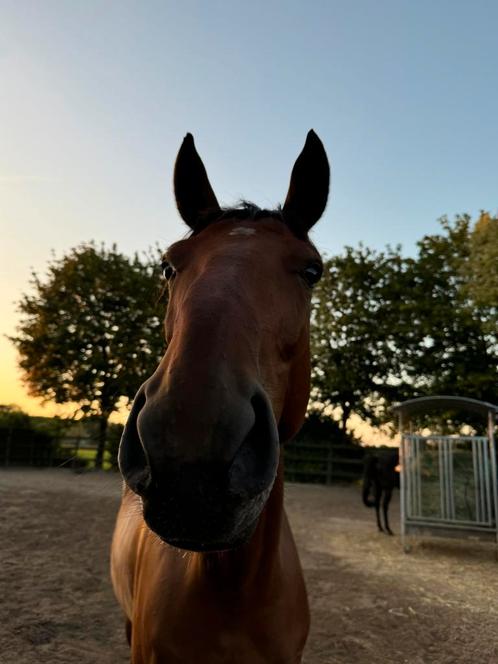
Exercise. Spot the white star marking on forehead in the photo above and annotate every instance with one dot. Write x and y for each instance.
(243, 230)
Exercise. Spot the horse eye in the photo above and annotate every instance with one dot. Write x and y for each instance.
(312, 273)
(167, 270)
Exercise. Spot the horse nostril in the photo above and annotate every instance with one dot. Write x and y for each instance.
(132, 458)
(141, 481)
(254, 466)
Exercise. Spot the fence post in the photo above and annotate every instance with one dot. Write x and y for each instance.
(76, 450)
(328, 478)
(55, 448)
(8, 446)
(32, 449)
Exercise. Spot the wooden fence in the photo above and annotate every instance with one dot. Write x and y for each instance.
(318, 463)
(322, 463)
(24, 447)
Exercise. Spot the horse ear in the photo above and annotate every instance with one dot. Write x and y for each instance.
(308, 188)
(193, 192)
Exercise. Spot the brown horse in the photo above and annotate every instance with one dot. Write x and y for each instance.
(204, 564)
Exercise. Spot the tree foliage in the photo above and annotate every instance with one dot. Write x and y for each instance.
(355, 330)
(386, 327)
(90, 332)
(449, 351)
(482, 270)
(12, 416)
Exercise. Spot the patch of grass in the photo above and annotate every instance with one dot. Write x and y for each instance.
(86, 457)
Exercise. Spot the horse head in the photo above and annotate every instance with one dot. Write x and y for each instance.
(202, 443)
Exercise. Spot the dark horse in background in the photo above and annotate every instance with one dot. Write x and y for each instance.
(380, 476)
(203, 560)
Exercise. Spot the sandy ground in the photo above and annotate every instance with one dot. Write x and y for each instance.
(371, 603)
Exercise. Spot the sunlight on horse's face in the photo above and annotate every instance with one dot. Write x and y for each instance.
(202, 443)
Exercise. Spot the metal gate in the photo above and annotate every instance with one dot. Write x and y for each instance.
(448, 483)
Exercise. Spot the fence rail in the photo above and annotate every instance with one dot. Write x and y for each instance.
(318, 463)
(322, 463)
(24, 447)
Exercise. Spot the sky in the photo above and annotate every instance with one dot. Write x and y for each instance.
(96, 96)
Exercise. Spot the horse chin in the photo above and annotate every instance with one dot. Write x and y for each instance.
(198, 546)
(216, 534)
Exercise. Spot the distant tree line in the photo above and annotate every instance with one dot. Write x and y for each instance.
(27, 440)
(385, 327)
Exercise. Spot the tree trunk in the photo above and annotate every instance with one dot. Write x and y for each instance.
(99, 458)
(346, 412)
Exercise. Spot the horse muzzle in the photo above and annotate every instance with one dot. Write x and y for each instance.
(193, 496)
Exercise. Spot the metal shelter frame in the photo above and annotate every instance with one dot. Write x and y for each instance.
(443, 518)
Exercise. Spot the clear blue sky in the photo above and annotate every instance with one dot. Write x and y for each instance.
(97, 96)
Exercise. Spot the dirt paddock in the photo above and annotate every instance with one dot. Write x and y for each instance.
(371, 603)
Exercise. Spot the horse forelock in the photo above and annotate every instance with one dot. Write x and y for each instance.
(244, 211)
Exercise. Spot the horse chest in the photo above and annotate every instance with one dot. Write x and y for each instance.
(188, 622)
(224, 648)
(213, 646)
(209, 629)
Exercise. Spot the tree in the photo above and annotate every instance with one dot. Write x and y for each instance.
(12, 416)
(449, 350)
(481, 271)
(23, 440)
(355, 330)
(90, 332)
(386, 328)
